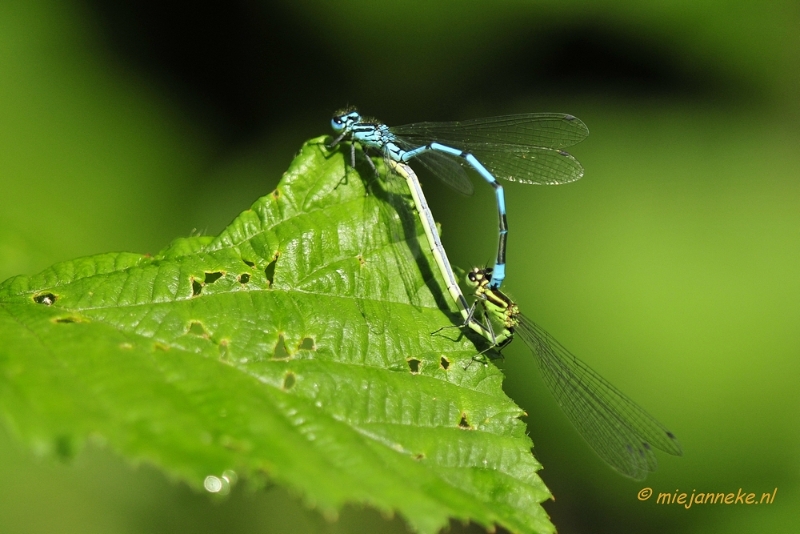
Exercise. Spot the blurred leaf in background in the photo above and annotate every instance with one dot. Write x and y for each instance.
(671, 267)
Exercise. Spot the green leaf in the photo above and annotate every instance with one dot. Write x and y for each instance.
(295, 347)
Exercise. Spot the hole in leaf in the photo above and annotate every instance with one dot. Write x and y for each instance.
(307, 344)
(444, 363)
(45, 298)
(244, 278)
(270, 270)
(67, 320)
(288, 380)
(413, 364)
(249, 263)
(464, 423)
(280, 349)
(196, 328)
(197, 287)
(212, 277)
(276, 194)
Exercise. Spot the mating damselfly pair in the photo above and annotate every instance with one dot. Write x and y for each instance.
(525, 148)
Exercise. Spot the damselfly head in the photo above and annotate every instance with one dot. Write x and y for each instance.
(344, 119)
(478, 277)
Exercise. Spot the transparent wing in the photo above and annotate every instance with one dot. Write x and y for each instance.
(529, 165)
(547, 130)
(620, 431)
(446, 168)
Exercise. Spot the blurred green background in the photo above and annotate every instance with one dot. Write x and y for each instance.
(671, 267)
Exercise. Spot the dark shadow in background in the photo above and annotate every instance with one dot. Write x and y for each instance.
(241, 66)
(596, 59)
(238, 65)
